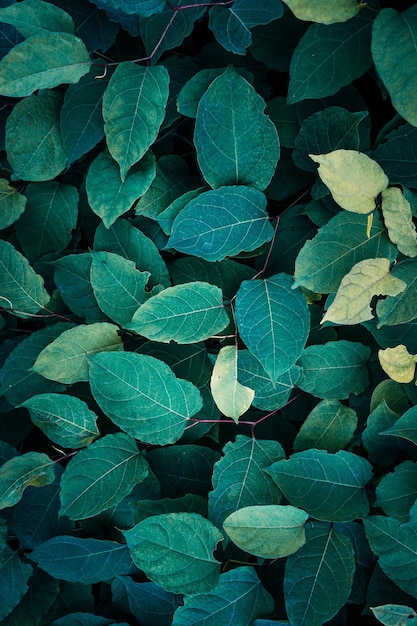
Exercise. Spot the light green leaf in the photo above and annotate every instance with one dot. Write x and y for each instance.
(328, 486)
(222, 223)
(271, 532)
(184, 313)
(175, 550)
(41, 62)
(396, 492)
(324, 11)
(22, 290)
(133, 110)
(329, 426)
(108, 195)
(236, 143)
(65, 359)
(318, 578)
(400, 309)
(100, 476)
(66, 420)
(398, 363)
(395, 615)
(334, 370)
(32, 469)
(38, 155)
(33, 17)
(366, 279)
(353, 178)
(141, 395)
(399, 221)
(231, 398)
(12, 204)
(273, 321)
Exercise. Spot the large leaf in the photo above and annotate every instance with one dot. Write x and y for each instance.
(397, 491)
(148, 602)
(33, 17)
(185, 313)
(43, 61)
(142, 396)
(231, 397)
(328, 486)
(100, 476)
(400, 309)
(398, 219)
(30, 469)
(324, 11)
(236, 143)
(175, 550)
(329, 426)
(133, 110)
(273, 321)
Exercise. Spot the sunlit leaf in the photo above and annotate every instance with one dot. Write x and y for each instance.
(30, 469)
(324, 11)
(232, 398)
(399, 221)
(398, 363)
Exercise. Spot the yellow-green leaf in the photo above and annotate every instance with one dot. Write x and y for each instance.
(366, 279)
(398, 363)
(324, 11)
(232, 398)
(31, 469)
(399, 221)
(354, 179)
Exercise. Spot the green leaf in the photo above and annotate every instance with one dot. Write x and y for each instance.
(149, 603)
(100, 476)
(185, 313)
(33, 17)
(146, 399)
(66, 420)
(175, 550)
(366, 279)
(108, 195)
(334, 370)
(394, 52)
(38, 155)
(382, 450)
(239, 478)
(238, 598)
(85, 561)
(188, 361)
(398, 363)
(395, 546)
(236, 143)
(400, 309)
(30, 469)
(65, 359)
(133, 109)
(396, 155)
(14, 576)
(189, 503)
(222, 223)
(324, 11)
(232, 398)
(399, 221)
(43, 61)
(395, 615)
(193, 90)
(353, 178)
(397, 491)
(273, 321)
(329, 426)
(12, 204)
(328, 486)
(404, 427)
(167, 217)
(41, 594)
(285, 119)
(318, 578)
(270, 532)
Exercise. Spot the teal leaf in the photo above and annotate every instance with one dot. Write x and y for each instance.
(400, 309)
(404, 427)
(12, 204)
(236, 143)
(285, 119)
(318, 578)
(222, 223)
(141, 395)
(273, 321)
(14, 575)
(41, 594)
(149, 603)
(79, 560)
(190, 503)
(33, 17)
(193, 90)
(238, 597)
(167, 217)
(43, 61)
(185, 313)
(329, 426)
(100, 476)
(397, 154)
(133, 109)
(328, 486)
(144, 8)
(175, 550)
(381, 449)
(108, 195)
(397, 491)
(38, 155)
(334, 370)
(30, 469)
(189, 361)
(66, 420)
(395, 615)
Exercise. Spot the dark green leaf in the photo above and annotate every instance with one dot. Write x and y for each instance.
(190, 503)
(148, 602)
(330, 426)
(42, 592)
(188, 361)
(30, 469)
(14, 575)
(397, 491)
(12, 204)
(397, 155)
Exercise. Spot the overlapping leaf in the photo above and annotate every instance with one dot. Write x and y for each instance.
(329, 426)
(397, 491)
(30, 469)
(148, 602)
(400, 309)
(324, 11)
(32, 17)
(399, 221)
(231, 397)
(398, 363)
(12, 204)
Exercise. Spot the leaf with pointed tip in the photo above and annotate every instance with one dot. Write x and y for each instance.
(329, 426)
(148, 602)
(12, 204)
(30, 469)
(133, 109)
(167, 217)
(404, 427)
(400, 309)
(188, 361)
(396, 492)
(324, 11)
(381, 450)
(33, 17)
(398, 219)
(65, 359)
(43, 61)
(141, 395)
(231, 397)
(175, 550)
(398, 363)
(395, 615)
(190, 503)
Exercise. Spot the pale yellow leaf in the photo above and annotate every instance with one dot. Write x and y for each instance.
(232, 398)
(324, 11)
(399, 221)
(398, 363)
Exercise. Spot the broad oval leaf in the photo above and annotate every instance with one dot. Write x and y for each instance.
(133, 110)
(32, 469)
(100, 476)
(396, 492)
(141, 395)
(398, 363)
(33, 17)
(43, 61)
(232, 398)
(404, 427)
(148, 602)
(329, 426)
(270, 532)
(328, 486)
(398, 220)
(12, 204)
(236, 143)
(222, 223)
(175, 550)
(324, 11)
(185, 313)
(273, 321)
(395, 615)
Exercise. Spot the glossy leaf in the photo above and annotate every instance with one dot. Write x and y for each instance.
(329, 426)
(30, 469)
(323, 11)
(12, 204)
(398, 220)
(33, 17)
(231, 397)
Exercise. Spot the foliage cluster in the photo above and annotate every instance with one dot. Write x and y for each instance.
(208, 286)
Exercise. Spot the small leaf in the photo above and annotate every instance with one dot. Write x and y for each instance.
(12, 204)
(353, 178)
(397, 491)
(400, 309)
(175, 550)
(399, 221)
(395, 615)
(329, 426)
(14, 576)
(33, 17)
(232, 398)
(30, 469)
(324, 11)
(398, 363)
(404, 427)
